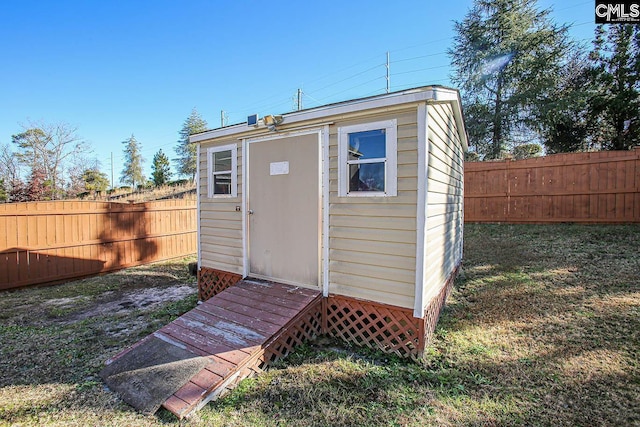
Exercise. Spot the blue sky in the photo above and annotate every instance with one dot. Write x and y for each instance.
(116, 68)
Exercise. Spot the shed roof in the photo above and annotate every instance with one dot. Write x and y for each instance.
(433, 94)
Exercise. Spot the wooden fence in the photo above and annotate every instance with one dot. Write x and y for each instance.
(598, 187)
(43, 242)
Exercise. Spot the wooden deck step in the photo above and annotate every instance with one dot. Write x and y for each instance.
(240, 330)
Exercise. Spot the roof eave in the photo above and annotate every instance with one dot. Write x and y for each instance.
(417, 95)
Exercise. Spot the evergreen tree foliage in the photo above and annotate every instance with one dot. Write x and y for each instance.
(506, 57)
(186, 160)
(160, 169)
(95, 181)
(18, 191)
(4, 196)
(471, 156)
(526, 151)
(615, 105)
(32, 146)
(75, 175)
(132, 171)
(563, 121)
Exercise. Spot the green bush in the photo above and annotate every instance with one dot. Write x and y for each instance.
(526, 151)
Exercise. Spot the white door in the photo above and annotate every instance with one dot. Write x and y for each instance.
(284, 209)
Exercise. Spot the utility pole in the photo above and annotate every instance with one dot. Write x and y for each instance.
(388, 77)
(299, 99)
(112, 170)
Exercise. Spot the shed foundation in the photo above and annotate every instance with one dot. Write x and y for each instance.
(379, 326)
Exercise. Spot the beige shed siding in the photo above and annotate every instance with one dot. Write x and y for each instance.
(444, 199)
(220, 224)
(372, 239)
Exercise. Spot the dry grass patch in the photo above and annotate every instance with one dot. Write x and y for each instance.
(543, 328)
(55, 340)
(565, 318)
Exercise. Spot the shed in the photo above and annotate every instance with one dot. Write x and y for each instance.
(361, 199)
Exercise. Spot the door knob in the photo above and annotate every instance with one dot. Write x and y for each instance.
(250, 211)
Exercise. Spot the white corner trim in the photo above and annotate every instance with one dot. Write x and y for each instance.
(421, 214)
(198, 201)
(245, 253)
(325, 211)
(461, 257)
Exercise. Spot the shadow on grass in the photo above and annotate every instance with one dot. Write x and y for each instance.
(543, 329)
(52, 351)
(549, 316)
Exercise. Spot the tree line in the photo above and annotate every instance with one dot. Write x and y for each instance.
(51, 161)
(527, 87)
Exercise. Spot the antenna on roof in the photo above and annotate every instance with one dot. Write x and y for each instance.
(388, 77)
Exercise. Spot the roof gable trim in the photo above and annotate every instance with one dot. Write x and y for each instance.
(424, 94)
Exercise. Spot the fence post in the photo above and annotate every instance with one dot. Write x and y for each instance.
(637, 171)
(508, 179)
(636, 209)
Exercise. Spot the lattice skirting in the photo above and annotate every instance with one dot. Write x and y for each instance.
(307, 326)
(388, 328)
(435, 306)
(212, 282)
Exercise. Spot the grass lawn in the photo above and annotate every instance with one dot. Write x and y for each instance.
(542, 328)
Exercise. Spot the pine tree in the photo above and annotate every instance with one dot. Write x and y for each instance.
(563, 121)
(615, 106)
(526, 151)
(132, 171)
(506, 57)
(160, 169)
(18, 191)
(4, 196)
(95, 181)
(187, 162)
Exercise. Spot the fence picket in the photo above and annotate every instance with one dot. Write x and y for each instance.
(575, 187)
(46, 242)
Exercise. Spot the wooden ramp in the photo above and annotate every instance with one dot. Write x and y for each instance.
(240, 330)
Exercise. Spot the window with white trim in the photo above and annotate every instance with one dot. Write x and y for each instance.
(222, 165)
(367, 159)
